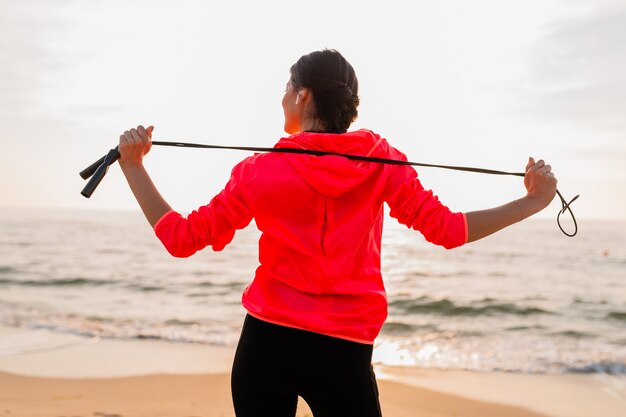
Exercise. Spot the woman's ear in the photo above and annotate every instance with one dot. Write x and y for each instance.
(304, 96)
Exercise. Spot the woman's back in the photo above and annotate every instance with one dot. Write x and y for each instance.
(321, 220)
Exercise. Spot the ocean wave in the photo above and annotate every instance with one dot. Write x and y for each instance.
(523, 328)
(453, 274)
(611, 368)
(58, 282)
(145, 288)
(202, 273)
(617, 315)
(578, 300)
(397, 328)
(7, 269)
(447, 307)
(574, 334)
(199, 294)
(172, 330)
(178, 322)
(231, 284)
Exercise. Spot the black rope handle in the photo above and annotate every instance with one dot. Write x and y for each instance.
(99, 168)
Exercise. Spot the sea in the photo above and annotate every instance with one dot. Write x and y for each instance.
(528, 299)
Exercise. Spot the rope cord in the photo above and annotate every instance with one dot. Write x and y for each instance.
(565, 205)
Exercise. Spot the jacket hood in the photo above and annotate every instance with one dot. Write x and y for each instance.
(335, 175)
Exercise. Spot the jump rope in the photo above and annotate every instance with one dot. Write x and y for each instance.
(98, 169)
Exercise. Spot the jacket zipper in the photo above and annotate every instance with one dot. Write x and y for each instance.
(324, 227)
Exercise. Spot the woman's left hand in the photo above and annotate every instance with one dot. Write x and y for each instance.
(540, 185)
(540, 182)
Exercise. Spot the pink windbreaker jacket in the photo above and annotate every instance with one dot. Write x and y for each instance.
(321, 220)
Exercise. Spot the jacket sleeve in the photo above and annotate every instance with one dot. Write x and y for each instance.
(211, 225)
(419, 209)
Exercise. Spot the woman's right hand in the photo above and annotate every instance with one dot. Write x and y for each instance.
(134, 145)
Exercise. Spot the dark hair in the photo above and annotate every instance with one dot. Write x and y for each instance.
(333, 83)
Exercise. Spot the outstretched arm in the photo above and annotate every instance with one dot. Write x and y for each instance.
(134, 145)
(540, 185)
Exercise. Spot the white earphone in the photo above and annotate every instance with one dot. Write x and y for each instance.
(298, 97)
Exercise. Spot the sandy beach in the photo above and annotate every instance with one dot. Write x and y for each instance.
(203, 395)
(112, 378)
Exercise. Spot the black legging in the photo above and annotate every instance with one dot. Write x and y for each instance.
(276, 364)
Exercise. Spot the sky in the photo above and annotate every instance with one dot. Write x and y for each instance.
(480, 83)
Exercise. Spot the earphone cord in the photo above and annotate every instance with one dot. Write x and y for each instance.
(565, 205)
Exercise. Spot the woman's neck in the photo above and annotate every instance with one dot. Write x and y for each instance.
(312, 125)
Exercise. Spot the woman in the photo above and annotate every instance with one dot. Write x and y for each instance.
(317, 300)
